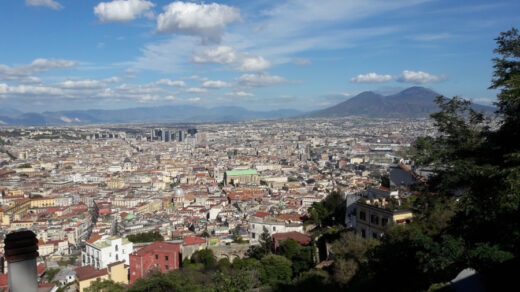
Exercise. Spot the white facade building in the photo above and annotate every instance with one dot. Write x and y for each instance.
(102, 251)
(273, 225)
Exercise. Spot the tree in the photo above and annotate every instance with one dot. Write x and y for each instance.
(265, 246)
(481, 163)
(223, 264)
(105, 285)
(51, 273)
(302, 257)
(204, 256)
(145, 237)
(275, 268)
(330, 211)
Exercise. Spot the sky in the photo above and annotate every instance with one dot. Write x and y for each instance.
(261, 55)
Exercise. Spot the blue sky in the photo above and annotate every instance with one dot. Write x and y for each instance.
(263, 55)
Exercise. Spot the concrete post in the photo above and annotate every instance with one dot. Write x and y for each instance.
(21, 251)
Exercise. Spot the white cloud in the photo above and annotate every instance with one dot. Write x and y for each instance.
(122, 10)
(215, 84)
(172, 98)
(132, 71)
(47, 3)
(259, 80)
(195, 77)
(371, 78)
(418, 77)
(195, 90)
(243, 93)
(168, 82)
(219, 55)
(251, 63)
(205, 20)
(242, 62)
(81, 84)
(194, 99)
(301, 62)
(432, 37)
(483, 100)
(240, 93)
(24, 73)
(30, 90)
(114, 79)
(43, 65)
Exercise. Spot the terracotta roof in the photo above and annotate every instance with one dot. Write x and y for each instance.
(158, 245)
(115, 264)
(94, 238)
(261, 214)
(300, 237)
(40, 269)
(189, 240)
(89, 272)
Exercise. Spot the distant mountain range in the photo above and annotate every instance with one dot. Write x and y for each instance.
(179, 113)
(412, 102)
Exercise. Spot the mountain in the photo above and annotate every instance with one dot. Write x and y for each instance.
(9, 111)
(180, 113)
(412, 102)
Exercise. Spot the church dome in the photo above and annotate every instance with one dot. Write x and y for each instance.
(178, 192)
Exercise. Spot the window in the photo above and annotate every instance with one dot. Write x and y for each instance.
(363, 233)
(166, 267)
(156, 256)
(384, 221)
(117, 257)
(374, 235)
(253, 235)
(166, 258)
(362, 215)
(374, 219)
(274, 228)
(117, 247)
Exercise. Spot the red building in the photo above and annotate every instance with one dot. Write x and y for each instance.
(158, 256)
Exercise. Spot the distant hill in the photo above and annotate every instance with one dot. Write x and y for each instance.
(412, 102)
(180, 113)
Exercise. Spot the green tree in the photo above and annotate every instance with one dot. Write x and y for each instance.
(145, 237)
(204, 256)
(224, 264)
(105, 285)
(264, 247)
(275, 268)
(51, 273)
(481, 163)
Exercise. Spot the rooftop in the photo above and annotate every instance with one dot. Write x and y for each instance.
(241, 172)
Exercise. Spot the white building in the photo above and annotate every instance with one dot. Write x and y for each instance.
(101, 251)
(259, 221)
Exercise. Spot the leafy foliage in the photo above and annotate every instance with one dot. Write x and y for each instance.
(145, 237)
(330, 211)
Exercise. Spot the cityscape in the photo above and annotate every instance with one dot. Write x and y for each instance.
(259, 146)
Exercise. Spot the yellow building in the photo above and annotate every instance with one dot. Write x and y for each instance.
(116, 272)
(150, 207)
(115, 183)
(13, 193)
(372, 218)
(42, 202)
(18, 208)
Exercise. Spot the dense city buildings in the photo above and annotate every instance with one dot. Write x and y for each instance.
(85, 191)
